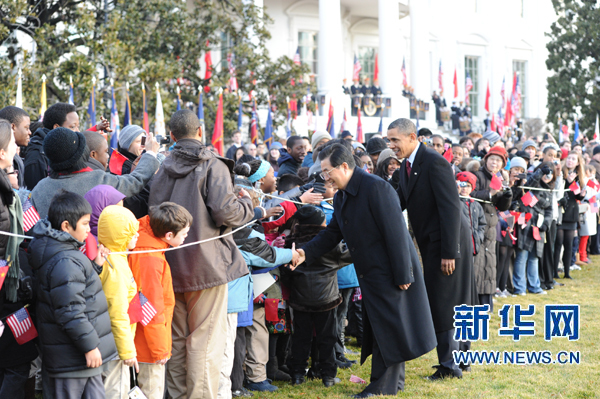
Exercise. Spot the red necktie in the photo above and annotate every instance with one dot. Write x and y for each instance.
(408, 168)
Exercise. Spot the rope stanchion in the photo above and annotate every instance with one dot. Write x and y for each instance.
(475, 199)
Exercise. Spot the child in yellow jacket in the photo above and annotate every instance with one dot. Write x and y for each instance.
(118, 231)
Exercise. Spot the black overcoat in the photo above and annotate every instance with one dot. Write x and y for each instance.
(367, 215)
(431, 198)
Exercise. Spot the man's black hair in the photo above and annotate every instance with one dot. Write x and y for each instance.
(184, 124)
(337, 154)
(93, 140)
(436, 136)
(425, 132)
(68, 206)
(291, 142)
(288, 181)
(56, 114)
(13, 114)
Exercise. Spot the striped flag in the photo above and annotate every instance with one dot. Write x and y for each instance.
(357, 68)
(127, 117)
(148, 311)
(30, 215)
(297, 56)
(404, 80)
(440, 79)
(468, 87)
(217, 138)
(22, 327)
(254, 125)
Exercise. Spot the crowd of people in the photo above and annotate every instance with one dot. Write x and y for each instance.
(289, 250)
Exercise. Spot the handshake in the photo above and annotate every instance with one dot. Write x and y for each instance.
(298, 257)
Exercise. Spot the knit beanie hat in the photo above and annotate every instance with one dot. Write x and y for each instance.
(467, 177)
(128, 135)
(64, 148)
(309, 214)
(385, 154)
(518, 162)
(318, 136)
(528, 143)
(376, 145)
(491, 136)
(596, 150)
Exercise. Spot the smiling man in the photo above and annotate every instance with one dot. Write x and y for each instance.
(19, 120)
(291, 158)
(367, 215)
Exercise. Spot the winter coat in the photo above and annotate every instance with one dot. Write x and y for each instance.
(81, 183)
(152, 276)
(589, 221)
(570, 205)
(441, 231)
(313, 285)
(308, 160)
(287, 164)
(257, 254)
(116, 228)
(19, 166)
(485, 261)
(478, 223)
(369, 218)
(200, 181)
(36, 162)
(72, 312)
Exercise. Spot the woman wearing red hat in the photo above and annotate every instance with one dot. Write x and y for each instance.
(497, 200)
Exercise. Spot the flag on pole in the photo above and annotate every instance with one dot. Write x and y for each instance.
(359, 128)
(217, 138)
(240, 114)
(146, 121)
(21, 326)
(297, 56)
(114, 121)
(518, 104)
(487, 98)
(91, 105)
(3, 270)
(209, 67)
(376, 69)
(127, 117)
(404, 80)
(330, 121)
(201, 112)
(71, 96)
(178, 98)
(493, 123)
(440, 79)
(502, 92)
(455, 81)
(233, 85)
(344, 122)
(565, 132)
(468, 88)
(159, 114)
(288, 121)
(43, 100)
(30, 215)
(254, 125)
(576, 136)
(597, 129)
(19, 99)
(357, 69)
(268, 136)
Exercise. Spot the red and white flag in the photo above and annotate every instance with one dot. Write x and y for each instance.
(297, 56)
(404, 80)
(141, 310)
(440, 79)
(468, 87)
(148, 310)
(455, 81)
(30, 215)
(487, 98)
(22, 327)
(357, 69)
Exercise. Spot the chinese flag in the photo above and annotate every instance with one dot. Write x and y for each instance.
(448, 155)
(217, 138)
(3, 271)
(529, 199)
(496, 183)
(487, 98)
(271, 308)
(455, 81)
(116, 162)
(135, 310)
(91, 247)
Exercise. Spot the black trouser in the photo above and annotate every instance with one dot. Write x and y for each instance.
(446, 345)
(563, 237)
(13, 379)
(324, 324)
(341, 312)
(237, 372)
(546, 264)
(504, 257)
(355, 321)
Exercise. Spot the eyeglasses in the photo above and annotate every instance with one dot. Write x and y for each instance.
(326, 173)
(14, 172)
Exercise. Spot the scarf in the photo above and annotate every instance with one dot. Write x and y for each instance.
(12, 250)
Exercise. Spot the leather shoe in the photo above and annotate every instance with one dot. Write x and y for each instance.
(298, 379)
(363, 395)
(331, 381)
(444, 372)
(465, 367)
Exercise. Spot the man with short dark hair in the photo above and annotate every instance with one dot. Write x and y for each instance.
(20, 121)
(291, 157)
(428, 192)
(199, 180)
(98, 147)
(437, 144)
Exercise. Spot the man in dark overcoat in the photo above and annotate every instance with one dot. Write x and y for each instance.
(428, 191)
(397, 319)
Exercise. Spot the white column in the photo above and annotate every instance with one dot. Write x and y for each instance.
(331, 63)
(419, 72)
(390, 59)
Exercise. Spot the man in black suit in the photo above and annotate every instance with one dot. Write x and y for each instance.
(428, 191)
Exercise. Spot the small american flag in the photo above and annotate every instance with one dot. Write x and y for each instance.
(357, 68)
(233, 84)
(30, 215)
(297, 56)
(21, 326)
(468, 87)
(148, 310)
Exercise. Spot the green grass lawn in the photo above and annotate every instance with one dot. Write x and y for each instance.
(501, 381)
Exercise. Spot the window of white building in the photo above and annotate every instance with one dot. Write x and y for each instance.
(307, 44)
(472, 67)
(520, 67)
(226, 46)
(366, 57)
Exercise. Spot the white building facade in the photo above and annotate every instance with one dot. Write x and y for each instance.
(490, 39)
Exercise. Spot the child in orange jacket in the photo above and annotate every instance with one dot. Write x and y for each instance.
(166, 225)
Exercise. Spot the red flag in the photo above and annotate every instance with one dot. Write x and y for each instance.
(3, 271)
(217, 138)
(90, 247)
(592, 201)
(575, 188)
(22, 326)
(536, 233)
(359, 128)
(487, 98)
(209, 67)
(376, 69)
(271, 309)
(493, 123)
(448, 155)
(592, 184)
(496, 183)
(455, 81)
(145, 122)
(115, 165)
(253, 125)
(135, 310)
(529, 199)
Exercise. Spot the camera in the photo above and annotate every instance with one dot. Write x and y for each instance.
(163, 140)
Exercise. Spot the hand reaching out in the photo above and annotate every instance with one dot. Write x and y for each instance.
(311, 198)
(274, 211)
(103, 126)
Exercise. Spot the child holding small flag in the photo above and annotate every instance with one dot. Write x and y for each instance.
(166, 225)
(72, 311)
(118, 231)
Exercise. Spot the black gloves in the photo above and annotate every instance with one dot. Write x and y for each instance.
(546, 170)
